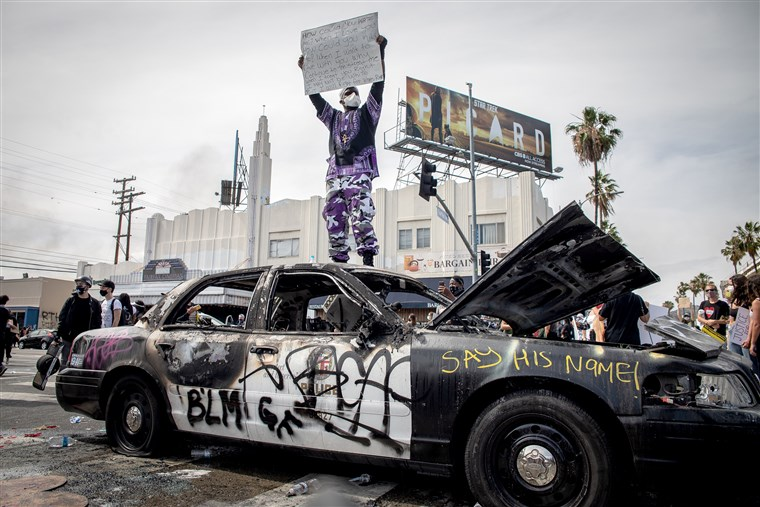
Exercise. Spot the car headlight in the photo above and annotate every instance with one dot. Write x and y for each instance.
(722, 391)
(698, 389)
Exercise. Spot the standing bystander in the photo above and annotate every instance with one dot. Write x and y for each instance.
(80, 312)
(713, 311)
(110, 307)
(622, 315)
(5, 315)
(753, 339)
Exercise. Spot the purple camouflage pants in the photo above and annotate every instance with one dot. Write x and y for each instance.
(349, 196)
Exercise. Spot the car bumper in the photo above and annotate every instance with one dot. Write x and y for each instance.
(78, 391)
(671, 444)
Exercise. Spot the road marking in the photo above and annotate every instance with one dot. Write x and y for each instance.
(333, 490)
(44, 398)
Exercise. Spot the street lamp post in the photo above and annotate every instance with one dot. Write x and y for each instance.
(474, 207)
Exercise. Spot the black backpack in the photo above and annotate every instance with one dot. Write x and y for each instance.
(126, 314)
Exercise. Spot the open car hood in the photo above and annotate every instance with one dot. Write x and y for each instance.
(702, 345)
(563, 268)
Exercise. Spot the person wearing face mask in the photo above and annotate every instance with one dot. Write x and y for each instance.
(110, 307)
(80, 312)
(455, 288)
(351, 167)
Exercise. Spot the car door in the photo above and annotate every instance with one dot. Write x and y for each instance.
(202, 361)
(317, 385)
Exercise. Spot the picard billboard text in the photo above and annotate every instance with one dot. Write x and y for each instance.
(441, 115)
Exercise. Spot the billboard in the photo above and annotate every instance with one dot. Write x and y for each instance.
(442, 115)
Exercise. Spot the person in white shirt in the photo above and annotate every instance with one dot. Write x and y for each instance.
(110, 307)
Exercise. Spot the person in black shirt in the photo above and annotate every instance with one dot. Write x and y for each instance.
(5, 316)
(621, 316)
(714, 312)
(81, 312)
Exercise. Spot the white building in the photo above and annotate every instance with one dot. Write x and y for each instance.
(414, 235)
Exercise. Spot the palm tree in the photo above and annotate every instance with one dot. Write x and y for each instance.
(749, 236)
(606, 192)
(702, 280)
(694, 289)
(612, 231)
(733, 251)
(682, 289)
(669, 305)
(593, 139)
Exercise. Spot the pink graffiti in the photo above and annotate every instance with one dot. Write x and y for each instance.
(104, 349)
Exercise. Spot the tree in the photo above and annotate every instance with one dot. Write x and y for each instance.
(612, 231)
(606, 192)
(594, 138)
(694, 288)
(749, 236)
(733, 251)
(682, 289)
(669, 305)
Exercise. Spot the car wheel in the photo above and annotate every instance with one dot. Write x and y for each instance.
(44, 345)
(21, 345)
(538, 448)
(133, 418)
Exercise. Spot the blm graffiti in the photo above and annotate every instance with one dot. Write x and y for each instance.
(321, 395)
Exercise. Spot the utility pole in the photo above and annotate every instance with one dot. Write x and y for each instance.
(125, 197)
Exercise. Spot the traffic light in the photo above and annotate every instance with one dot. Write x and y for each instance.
(485, 262)
(427, 182)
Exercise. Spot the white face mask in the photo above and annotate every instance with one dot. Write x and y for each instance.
(352, 100)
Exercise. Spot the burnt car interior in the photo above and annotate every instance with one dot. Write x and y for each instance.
(220, 304)
(297, 293)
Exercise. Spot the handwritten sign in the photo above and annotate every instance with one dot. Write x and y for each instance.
(740, 329)
(341, 54)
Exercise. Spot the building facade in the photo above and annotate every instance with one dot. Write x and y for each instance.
(416, 237)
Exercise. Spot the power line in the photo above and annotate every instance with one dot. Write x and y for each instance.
(6, 266)
(45, 251)
(48, 219)
(190, 199)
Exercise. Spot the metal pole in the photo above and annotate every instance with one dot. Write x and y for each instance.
(474, 206)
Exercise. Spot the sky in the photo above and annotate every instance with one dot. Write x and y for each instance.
(94, 92)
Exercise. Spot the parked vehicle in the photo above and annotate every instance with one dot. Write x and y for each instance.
(326, 364)
(38, 339)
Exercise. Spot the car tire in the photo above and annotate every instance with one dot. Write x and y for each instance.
(537, 447)
(21, 345)
(133, 418)
(44, 345)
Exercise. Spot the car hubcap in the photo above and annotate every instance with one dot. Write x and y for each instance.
(536, 465)
(133, 419)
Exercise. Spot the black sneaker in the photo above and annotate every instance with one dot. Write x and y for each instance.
(2, 370)
(369, 259)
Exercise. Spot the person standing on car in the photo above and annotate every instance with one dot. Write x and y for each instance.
(621, 316)
(5, 316)
(714, 312)
(110, 312)
(80, 312)
(351, 167)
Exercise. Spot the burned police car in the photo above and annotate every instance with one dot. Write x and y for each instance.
(325, 364)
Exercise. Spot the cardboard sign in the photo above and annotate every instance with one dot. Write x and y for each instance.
(341, 54)
(740, 328)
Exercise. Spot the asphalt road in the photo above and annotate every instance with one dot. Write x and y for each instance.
(193, 473)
